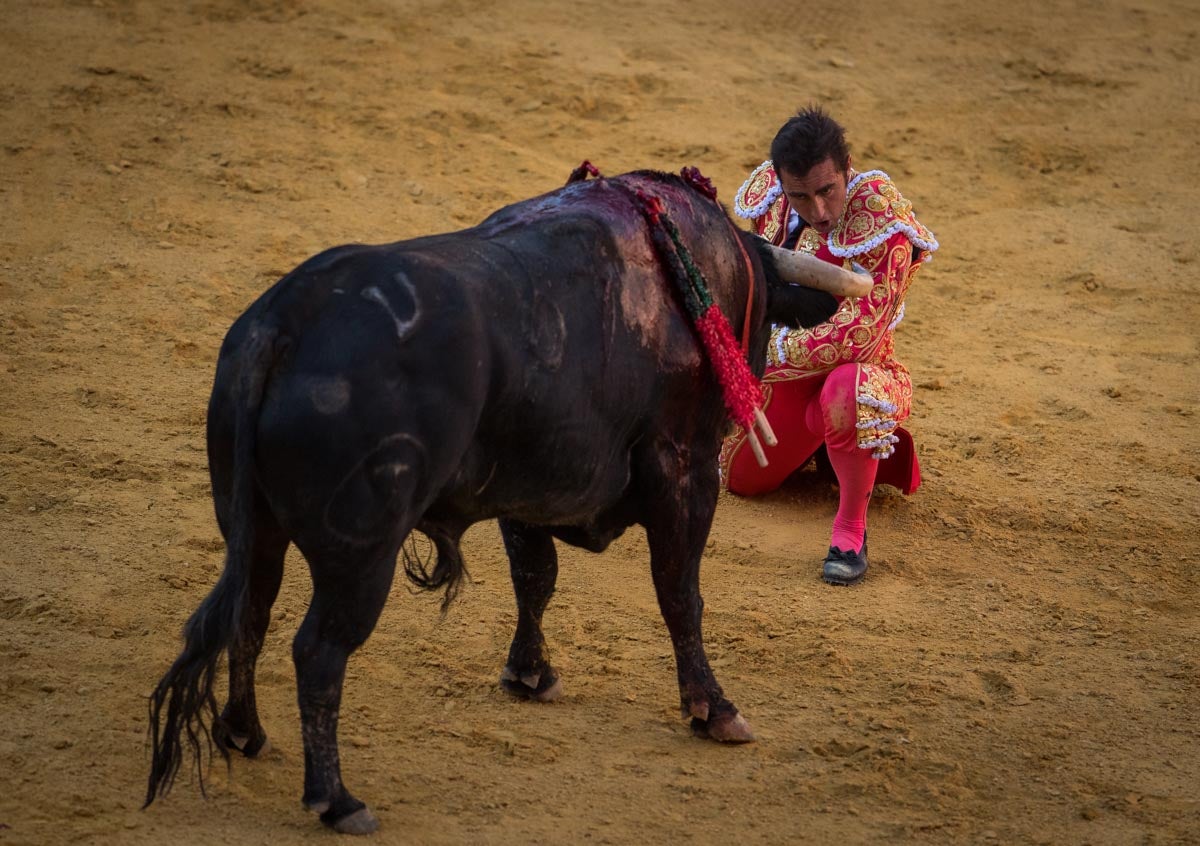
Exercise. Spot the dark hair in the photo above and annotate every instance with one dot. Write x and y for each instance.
(808, 139)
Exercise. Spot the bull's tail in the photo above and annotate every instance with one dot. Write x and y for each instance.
(448, 571)
(183, 705)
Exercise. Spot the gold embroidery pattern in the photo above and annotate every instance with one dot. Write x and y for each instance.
(874, 211)
(809, 241)
(761, 199)
(884, 401)
(771, 224)
(758, 186)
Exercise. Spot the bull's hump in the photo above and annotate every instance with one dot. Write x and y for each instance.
(594, 200)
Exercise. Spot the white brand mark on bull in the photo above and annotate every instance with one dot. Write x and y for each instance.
(376, 296)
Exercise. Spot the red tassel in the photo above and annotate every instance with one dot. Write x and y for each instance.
(743, 396)
(583, 172)
(652, 207)
(700, 182)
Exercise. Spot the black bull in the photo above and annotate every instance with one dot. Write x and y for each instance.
(537, 368)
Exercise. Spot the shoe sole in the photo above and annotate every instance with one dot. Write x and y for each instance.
(842, 582)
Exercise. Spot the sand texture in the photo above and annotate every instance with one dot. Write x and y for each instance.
(1022, 664)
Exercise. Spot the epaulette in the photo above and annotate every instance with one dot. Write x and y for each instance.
(875, 211)
(758, 192)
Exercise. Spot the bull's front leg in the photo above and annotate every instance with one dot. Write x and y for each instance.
(533, 561)
(676, 531)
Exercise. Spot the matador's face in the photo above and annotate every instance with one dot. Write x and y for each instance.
(818, 196)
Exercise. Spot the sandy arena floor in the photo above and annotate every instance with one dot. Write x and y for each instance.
(1023, 663)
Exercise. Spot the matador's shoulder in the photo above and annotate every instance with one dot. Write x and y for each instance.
(875, 211)
(761, 200)
(758, 192)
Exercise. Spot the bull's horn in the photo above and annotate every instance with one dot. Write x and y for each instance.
(811, 272)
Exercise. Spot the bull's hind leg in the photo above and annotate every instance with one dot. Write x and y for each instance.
(534, 565)
(349, 592)
(239, 727)
(680, 516)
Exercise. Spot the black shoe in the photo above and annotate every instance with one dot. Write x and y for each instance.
(845, 568)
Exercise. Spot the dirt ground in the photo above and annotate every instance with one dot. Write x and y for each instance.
(1021, 666)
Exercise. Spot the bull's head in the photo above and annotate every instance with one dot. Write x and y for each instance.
(800, 287)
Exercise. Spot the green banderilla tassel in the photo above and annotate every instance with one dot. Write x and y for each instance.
(677, 260)
(699, 284)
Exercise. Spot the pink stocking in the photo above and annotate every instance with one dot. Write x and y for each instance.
(855, 468)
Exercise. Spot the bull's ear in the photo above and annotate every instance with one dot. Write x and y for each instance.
(788, 304)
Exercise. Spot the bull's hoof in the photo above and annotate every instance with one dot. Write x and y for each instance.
(540, 687)
(251, 747)
(361, 821)
(731, 728)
